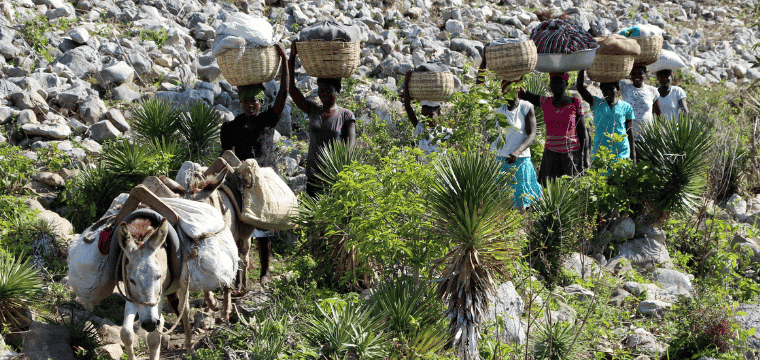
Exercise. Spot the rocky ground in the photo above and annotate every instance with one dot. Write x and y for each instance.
(70, 73)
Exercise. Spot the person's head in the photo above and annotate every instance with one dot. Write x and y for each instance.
(250, 98)
(558, 83)
(638, 74)
(609, 90)
(430, 109)
(665, 77)
(328, 90)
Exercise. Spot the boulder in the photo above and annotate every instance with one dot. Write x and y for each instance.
(644, 253)
(643, 341)
(653, 307)
(454, 26)
(118, 74)
(117, 119)
(112, 351)
(51, 179)
(54, 128)
(669, 278)
(624, 229)
(92, 109)
(69, 99)
(508, 304)
(618, 297)
(26, 117)
(82, 61)
(45, 341)
(736, 205)
(80, 35)
(103, 130)
(125, 93)
(582, 265)
(61, 227)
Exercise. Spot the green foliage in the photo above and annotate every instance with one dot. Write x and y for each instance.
(199, 127)
(550, 236)
(158, 37)
(557, 341)
(338, 331)
(676, 152)
(155, 120)
(471, 117)
(19, 226)
(53, 159)
(262, 339)
(17, 169)
(134, 161)
(412, 314)
(19, 288)
(93, 190)
(706, 328)
(84, 335)
(332, 160)
(34, 31)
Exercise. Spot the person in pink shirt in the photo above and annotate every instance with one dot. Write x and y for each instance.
(567, 142)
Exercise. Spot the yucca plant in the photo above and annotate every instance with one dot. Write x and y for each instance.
(470, 210)
(677, 151)
(155, 120)
(199, 127)
(557, 341)
(19, 288)
(134, 161)
(554, 215)
(173, 152)
(347, 331)
(331, 160)
(94, 190)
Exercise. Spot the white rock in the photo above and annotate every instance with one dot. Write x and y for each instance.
(52, 129)
(668, 278)
(119, 73)
(103, 130)
(644, 253)
(26, 117)
(653, 307)
(117, 119)
(92, 146)
(454, 26)
(624, 229)
(579, 292)
(508, 304)
(80, 35)
(582, 265)
(736, 205)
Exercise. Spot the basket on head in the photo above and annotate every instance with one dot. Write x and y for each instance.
(511, 61)
(431, 86)
(329, 59)
(255, 65)
(610, 68)
(651, 46)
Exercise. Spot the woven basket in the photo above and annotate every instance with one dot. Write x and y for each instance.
(511, 61)
(329, 59)
(610, 68)
(255, 66)
(431, 86)
(651, 46)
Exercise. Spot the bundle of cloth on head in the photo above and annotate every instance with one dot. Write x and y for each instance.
(251, 91)
(641, 30)
(330, 31)
(617, 45)
(432, 104)
(506, 40)
(561, 37)
(668, 61)
(242, 31)
(432, 66)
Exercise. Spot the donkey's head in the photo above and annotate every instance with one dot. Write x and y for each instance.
(145, 269)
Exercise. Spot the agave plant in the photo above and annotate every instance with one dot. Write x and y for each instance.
(554, 215)
(133, 160)
(19, 288)
(557, 341)
(470, 209)
(155, 120)
(677, 151)
(96, 189)
(199, 127)
(332, 158)
(345, 332)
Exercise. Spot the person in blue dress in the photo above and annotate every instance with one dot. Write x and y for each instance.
(611, 116)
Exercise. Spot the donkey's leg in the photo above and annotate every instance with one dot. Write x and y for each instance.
(154, 342)
(244, 247)
(265, 254)
(184, 303)
(211, 301)
(227, 308)
(128, 336)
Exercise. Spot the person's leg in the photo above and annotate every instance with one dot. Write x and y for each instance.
(265, 254)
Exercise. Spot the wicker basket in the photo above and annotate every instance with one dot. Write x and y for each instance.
(329, 59)
(255, 66)
(511, 61)
(431, 86)
(610, 68)
(651, 46)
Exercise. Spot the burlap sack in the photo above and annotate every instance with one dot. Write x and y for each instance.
(617, 45)
(268, 202)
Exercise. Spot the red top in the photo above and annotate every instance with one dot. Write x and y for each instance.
(561, 135)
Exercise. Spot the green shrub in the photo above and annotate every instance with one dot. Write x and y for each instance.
(19, 289)
(92, 192)
(84, 335)
(158, 37)
(557, 341)
(705, 329)
(155, 120)
(199, 127)
(337, 331)
(19, 226)
(17, 169)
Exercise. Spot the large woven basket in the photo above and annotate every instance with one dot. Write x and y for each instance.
(651, 46)
(431, 86)
(329, 59)
(511, 61)
(610, 68)
(255, 66)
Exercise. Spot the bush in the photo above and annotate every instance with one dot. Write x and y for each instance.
(705, 329)
(17, 169)
(346, 330)
(19, 288)
(557, 341)
(92, 192)
(199, 127)
(19, 226)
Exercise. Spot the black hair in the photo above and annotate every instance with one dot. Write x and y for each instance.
(667, 72)
(430, 109)
(335, 83)
(636, 67)
(615, 84)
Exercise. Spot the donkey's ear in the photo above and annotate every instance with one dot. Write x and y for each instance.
(158, 237)
(217, 181)
(126, 241)
(173, 185)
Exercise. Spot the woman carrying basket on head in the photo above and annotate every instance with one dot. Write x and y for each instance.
(327, 122)
(567, 142)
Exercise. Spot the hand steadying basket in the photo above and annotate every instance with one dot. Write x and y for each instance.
(512, 61)
(431, 86)
(250, 65)
(329, 59)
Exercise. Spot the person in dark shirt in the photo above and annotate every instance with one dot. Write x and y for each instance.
(251, 136)
(327, 122)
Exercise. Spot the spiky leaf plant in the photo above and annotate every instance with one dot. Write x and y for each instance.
(332, 158)
(470, 209)
(557, 341)
(133, 161)
(155, 120)
(95, 190)
(677, 151)
(344, 331)
(19, 288)
(199, 126)
(554, 216)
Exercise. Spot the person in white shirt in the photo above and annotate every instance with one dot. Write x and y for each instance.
(642, 97)
(672, 99)
(512, 148)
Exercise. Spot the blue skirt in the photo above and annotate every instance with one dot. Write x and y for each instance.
(524, 181)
